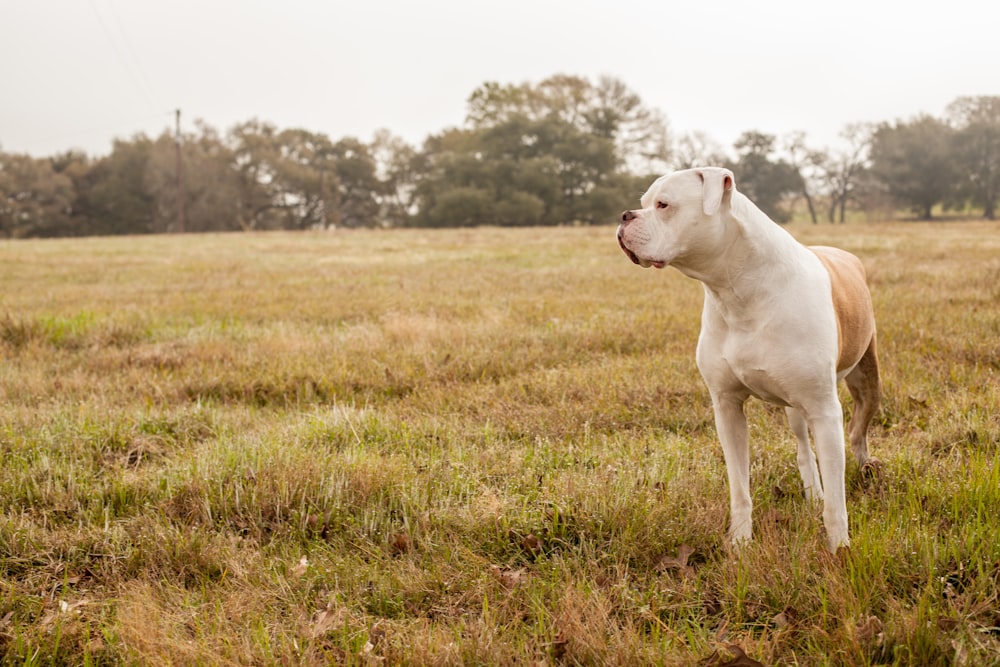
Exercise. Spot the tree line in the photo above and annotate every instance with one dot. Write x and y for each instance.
(567, 150)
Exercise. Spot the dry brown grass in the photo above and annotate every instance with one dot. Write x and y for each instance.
(468, 446)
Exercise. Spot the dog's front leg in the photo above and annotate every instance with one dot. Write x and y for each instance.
(731, 425)
(828, 432)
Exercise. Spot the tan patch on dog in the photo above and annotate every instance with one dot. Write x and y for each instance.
(852, 304)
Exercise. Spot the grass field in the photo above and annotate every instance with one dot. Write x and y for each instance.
(470, 447)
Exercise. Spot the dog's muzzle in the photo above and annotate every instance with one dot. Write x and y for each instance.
(621, 244)
(627, 217)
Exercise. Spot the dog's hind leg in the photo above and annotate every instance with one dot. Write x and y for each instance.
(804, 456)
(865, 387)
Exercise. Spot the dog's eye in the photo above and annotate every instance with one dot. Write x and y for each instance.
(661, 204)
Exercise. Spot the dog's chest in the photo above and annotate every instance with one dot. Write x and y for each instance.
(764, 385)
(750, 363)
(757, 372)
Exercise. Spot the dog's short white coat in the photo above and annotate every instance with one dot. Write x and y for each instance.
(781, 321)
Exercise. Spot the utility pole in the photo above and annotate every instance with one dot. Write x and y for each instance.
(180, 177)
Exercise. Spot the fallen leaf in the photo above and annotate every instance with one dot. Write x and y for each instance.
(531, 544)
(400, 544)
(869, 631)
(95, 645)
(368, 656)
(376, 633)
(739, 659)
(70, 607)
(558, 646)
(509, 578)
(328, 619)
(781, 621)
(712, 605)
(301, 568)
(947, 624)
(961, 653)
(680, 562)
(52, 616)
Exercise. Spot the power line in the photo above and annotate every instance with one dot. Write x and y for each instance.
(131, 66)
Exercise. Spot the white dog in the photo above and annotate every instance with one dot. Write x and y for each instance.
(782, 321)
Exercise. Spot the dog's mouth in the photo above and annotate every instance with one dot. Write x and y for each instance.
(644, 263)
(631, 255)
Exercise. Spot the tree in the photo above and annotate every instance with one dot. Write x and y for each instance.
(764, 178)
(489, 176)
(804, 160)
(608, 109)
(914, 162)
(583, 161)
(843, 171)
(446, 162)
(698, 149)
(254, 145)
(34, 199)
(356, 185)
(550, 153)
(297, 179)
(976, 121)
(304, 173)
(119, 201)
(76, 166)
(211, 186)
(641, 134)
(396, 169)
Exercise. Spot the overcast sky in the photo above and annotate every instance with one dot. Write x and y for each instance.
(78, 73)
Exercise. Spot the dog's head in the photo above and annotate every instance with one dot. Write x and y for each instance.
(681, 215)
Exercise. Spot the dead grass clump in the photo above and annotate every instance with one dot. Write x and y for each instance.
(160, 623)
(75, 332)
(17, 333)
(188, 556)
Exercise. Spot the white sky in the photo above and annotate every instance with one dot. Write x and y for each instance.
(77, 73)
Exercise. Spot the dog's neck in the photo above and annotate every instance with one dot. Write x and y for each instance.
(752, 251)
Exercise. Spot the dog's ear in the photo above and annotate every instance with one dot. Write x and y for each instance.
(717, 184)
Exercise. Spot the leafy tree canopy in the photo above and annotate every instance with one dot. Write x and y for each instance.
(565, 150)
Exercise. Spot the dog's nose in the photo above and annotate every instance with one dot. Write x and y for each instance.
(628, 216)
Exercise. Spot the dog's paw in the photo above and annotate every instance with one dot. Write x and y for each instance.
(873, 473)
(836, 559)
(738, 540)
